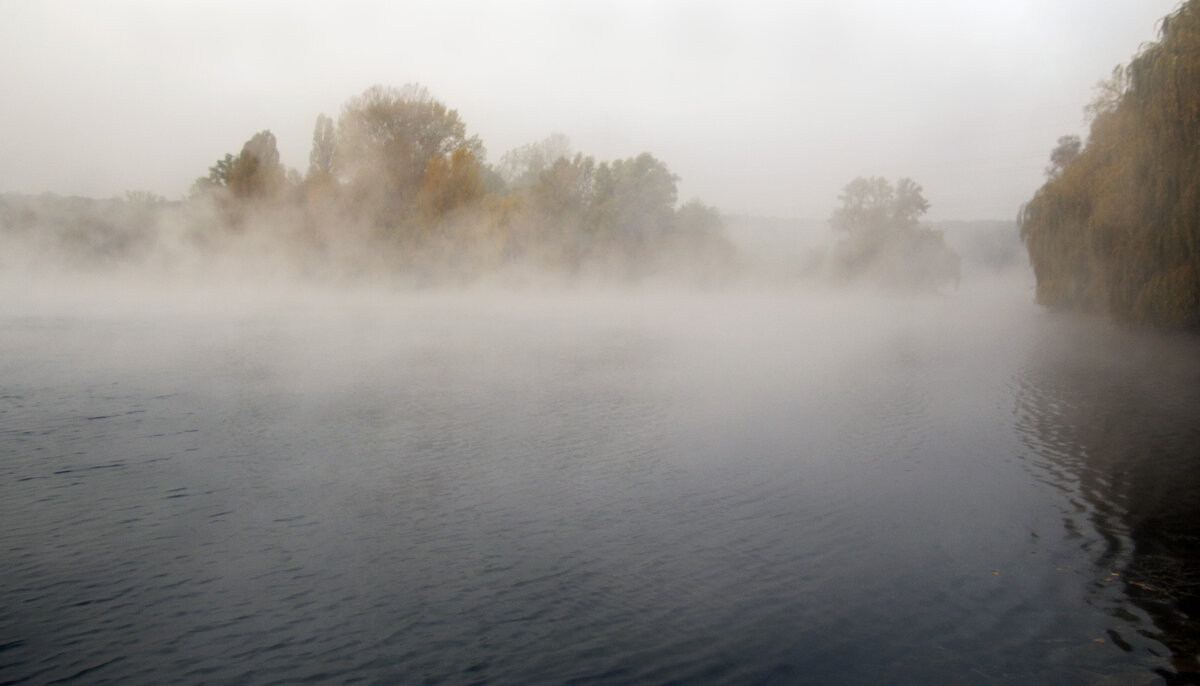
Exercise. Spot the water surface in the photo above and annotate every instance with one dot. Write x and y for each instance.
(610, 487)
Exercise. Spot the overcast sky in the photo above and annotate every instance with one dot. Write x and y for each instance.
(760, 107)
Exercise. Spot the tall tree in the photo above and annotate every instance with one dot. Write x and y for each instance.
(324, 145)
(255, 173)
(385, 139)
(1116, 227)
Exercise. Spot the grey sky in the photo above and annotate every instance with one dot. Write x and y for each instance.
(761, 107)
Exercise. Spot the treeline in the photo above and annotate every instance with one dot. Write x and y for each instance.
(1116, 227)
(396, 188)
(397, 178)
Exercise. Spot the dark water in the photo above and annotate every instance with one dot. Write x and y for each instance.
(615, 488)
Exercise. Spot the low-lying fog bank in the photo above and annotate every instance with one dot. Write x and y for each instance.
(129, 253)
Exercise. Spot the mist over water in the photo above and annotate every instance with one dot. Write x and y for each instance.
(593, 485)
(484, 391)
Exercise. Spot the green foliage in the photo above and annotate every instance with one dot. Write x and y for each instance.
(1116, 228)
(634, 198)
(885, 242)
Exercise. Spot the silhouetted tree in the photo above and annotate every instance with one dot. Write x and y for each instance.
(254, 174)
(216, 178)
(885, 242)
(1063, 154)
(257, 173)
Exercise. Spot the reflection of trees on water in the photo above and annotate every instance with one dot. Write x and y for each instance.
(1114, 418)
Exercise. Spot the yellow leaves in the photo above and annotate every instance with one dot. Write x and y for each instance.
(1118, 227)
(450, 184)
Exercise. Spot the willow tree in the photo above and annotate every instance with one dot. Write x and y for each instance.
(1117, 227)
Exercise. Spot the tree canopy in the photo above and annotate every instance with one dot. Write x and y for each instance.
(1116, 226)
(400, 174)
(884, 240)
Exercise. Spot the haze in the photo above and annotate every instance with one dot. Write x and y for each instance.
(762, 108)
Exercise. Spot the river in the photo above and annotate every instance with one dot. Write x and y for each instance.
(595, 487)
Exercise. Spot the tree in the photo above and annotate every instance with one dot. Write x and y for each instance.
(696, 217)
(1116, 226)
(1108, 94)
(255, 173)
(634, 199)
(870, 205)
(520, 167)
(547, 219)
(451, 184)
(216, 178)
(563, 190)
(1063, 154)
(324, 145)
(385, 140)
(885, 242)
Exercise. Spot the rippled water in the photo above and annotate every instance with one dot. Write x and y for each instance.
(596, 488)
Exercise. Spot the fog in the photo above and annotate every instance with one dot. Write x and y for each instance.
(763, 109)
(230, 447)
(245, 476)
(621, 343)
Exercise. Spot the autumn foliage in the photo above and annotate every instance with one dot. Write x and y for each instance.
(1116, 227)
(399, 177)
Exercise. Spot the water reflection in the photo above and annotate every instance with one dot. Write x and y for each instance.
(1113, 421)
